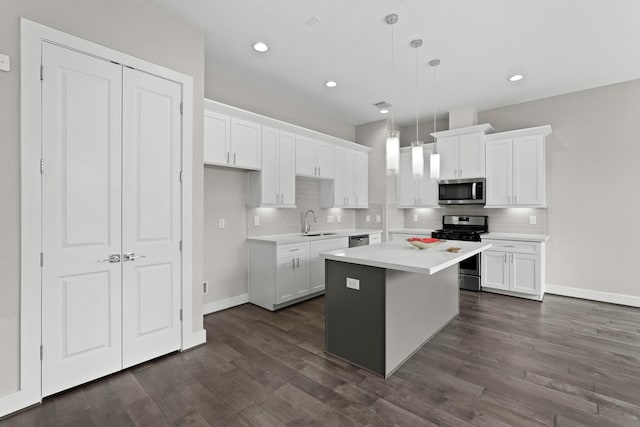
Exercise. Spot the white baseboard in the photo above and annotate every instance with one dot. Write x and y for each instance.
(612, 298)
(213, 306)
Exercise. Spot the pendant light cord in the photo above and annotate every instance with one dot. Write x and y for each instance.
(393, 128)
(435, 86)
(417, 97)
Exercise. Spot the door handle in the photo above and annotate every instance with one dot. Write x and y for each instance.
(130, 256)
(113, 258)
(318, 170)
(298, 262)
(293, 263)
(228, 154)
(234, 158)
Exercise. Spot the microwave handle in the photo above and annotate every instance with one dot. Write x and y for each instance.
(473, 191)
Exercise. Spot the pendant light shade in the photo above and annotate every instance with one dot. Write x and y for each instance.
(393, 152)
(434, 165)
(393, 138)
(417, 152)
(417, 159)
(434, 159)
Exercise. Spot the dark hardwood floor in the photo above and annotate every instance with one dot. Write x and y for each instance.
(503, 361)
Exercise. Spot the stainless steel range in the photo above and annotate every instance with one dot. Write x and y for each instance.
(468, 228)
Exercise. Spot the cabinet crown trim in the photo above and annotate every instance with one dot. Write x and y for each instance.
(483, 128)
(538, 130)
(218, 107)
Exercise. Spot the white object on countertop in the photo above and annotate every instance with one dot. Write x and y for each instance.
(397, 255)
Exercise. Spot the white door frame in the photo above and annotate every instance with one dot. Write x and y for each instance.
(32, 35)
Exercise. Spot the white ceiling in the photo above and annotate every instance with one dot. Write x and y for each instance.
(561, 46)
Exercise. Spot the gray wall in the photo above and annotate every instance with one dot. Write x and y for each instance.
(129, 26)
(592, 177)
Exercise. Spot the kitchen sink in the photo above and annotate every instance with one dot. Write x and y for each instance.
(317, 234)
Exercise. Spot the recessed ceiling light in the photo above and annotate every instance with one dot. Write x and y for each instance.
(331, 83)
(260, 47)
(516, 77)
(384, 111)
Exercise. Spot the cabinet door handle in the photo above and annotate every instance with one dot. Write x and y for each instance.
(318, 170)
(511, 258)
(228, 154)
(460, 172)
(356, 201)
(234, 158)
(293, 263)
(508, 246)
(505, 258)
(515, 199)
(298, 262)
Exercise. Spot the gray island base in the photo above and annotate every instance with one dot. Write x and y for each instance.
(378, 316)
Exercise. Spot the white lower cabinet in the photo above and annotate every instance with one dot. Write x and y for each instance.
(375, 238)
(317, 263)
(514, 268)
(278, 274)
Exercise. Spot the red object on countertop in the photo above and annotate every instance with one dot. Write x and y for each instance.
(424, 240)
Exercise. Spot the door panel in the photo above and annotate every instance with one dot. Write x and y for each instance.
(471, 156)
(448, 149)
(524, 272)
(151, 216)
(287, 167)
(306, 156)
(495, 270)
(269, 179)
(362, 180)
(246, 144)
(81, 311)
(499, 172)
(217, 138)
(528, 170)
(325, 160)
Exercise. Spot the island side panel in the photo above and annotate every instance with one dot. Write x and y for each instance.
(354, 322)
(417, 307)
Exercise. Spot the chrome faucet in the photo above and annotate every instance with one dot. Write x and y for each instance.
(306, 227)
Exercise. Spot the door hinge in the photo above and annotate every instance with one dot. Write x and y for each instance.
(181, 108)
(41, 72)
(41, 259)
(41, 166)
(41, 351)
(181, 315)
(180, 245)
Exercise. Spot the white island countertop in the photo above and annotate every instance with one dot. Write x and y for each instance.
(400, 255)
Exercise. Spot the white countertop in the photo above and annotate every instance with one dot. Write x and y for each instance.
(283, 239)
(503, 236)
(400, 255)
(516, 236)
(416, 231)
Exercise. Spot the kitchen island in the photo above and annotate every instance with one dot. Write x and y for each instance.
(384, 302)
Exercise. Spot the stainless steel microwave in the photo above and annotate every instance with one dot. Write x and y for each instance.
(461, 192)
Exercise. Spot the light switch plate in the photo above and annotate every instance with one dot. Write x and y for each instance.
(533, 220)
(222, 223)
(367, 218)
(353, 283)
(378, 218)
(256, 220)
(329, 219)
(5, 62)
(339, 219)
(415, 218)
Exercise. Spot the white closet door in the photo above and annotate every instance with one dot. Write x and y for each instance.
(150, 216)
(81, 294)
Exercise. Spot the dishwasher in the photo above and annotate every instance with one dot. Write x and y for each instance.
(360, 240)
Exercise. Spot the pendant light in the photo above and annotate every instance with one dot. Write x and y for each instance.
(434, 159)
(393, 136)
(417, 153)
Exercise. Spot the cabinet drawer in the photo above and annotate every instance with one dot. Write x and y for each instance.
(513, 246)
(293, 249)
(318, 246)
(375, 238)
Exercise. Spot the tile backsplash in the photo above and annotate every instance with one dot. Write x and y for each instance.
(289, 220)
(508, 220)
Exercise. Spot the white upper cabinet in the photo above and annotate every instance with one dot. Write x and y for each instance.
(462, 153)
(515, 168)
(416, 193)
(314, 158)
(229, 141)
(350, 186)
(217, 137)
(275, 184)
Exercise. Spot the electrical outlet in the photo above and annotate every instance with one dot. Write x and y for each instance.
(205, 287)
(415, 218)
(5, 63)
(533, 220)
(353, 283)
(256, 220)
(378, 218)
(367, 218)
(222, 223)
(339, 218)
(329, 219)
